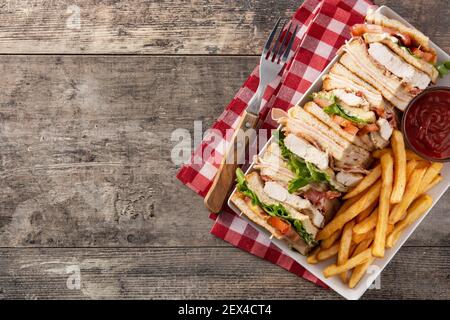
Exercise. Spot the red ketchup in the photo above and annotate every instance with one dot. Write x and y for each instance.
(427, 124)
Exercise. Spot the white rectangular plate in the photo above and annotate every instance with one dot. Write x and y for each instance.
(379, 264)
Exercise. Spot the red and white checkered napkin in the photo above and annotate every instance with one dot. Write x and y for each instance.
(323, 29)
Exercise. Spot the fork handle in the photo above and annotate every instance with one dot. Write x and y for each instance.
(225, 176)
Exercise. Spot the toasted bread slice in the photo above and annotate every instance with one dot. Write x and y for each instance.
(318, 132)
(342, 78)
(379, 19)
(388, 85)
(318, 112)
(255, 214)
(420, 64)
(414, 79)
(373, 72)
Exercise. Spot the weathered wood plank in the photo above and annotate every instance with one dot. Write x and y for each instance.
(198, 273)
(85, 149)
(151, 27)
(169, 27)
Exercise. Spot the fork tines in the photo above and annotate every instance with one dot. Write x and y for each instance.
(282, 46)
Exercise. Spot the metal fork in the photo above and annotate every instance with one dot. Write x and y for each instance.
(273, 58)
(271, 62)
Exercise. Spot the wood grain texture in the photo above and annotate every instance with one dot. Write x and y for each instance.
(85, 148)
(86, 176)
(169, 27)
(144, 27)
(225, 177)
(199, 273)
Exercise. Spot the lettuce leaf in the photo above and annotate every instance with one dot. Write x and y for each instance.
(305, 172)
(307, 237)
(337, 110)
(443, 68)
(274, 210)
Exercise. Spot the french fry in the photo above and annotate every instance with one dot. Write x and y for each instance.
(347, 203)
(410, 155)
(378, 153)
(435, 181)
(358, 238)
(363, 203)
(360, 247)
(312, 258)
(429, 175)
(399, 153)
(334, 269)
(352, 248)
(365, 183)
(410, 166)
(367, 224)
(344, 247)
(410, 194)
(328, 242)
(422, 164)
(392, 239)
(403, 215)
(364, 214)
(324, 254)
(417, 208)
(358, 272)
(387, 172)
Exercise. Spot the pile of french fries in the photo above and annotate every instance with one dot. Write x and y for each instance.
(376, 211)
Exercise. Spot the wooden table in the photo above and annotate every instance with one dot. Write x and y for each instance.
(87, 185)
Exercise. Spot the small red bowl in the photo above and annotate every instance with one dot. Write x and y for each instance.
(405, 114)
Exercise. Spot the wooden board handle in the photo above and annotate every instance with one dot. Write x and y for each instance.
(225, 176)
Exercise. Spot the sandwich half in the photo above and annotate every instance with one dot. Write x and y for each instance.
(408, 43)
(325, 146)
(310, 124)
(340, 77)
(358, 60)
(298, 166)
(280, 218)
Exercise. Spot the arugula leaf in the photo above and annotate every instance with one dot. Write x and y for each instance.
(337, 110)
(305, 172)
(443, 68)
(274, 210)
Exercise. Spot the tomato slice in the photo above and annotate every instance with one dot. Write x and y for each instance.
(369, 128)
(404, 38)
(346, 124)
(340, 121)
(427, 56)
(380, 111)
(323, 103)
(351, 129)
(279, 224)
(359, 29)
